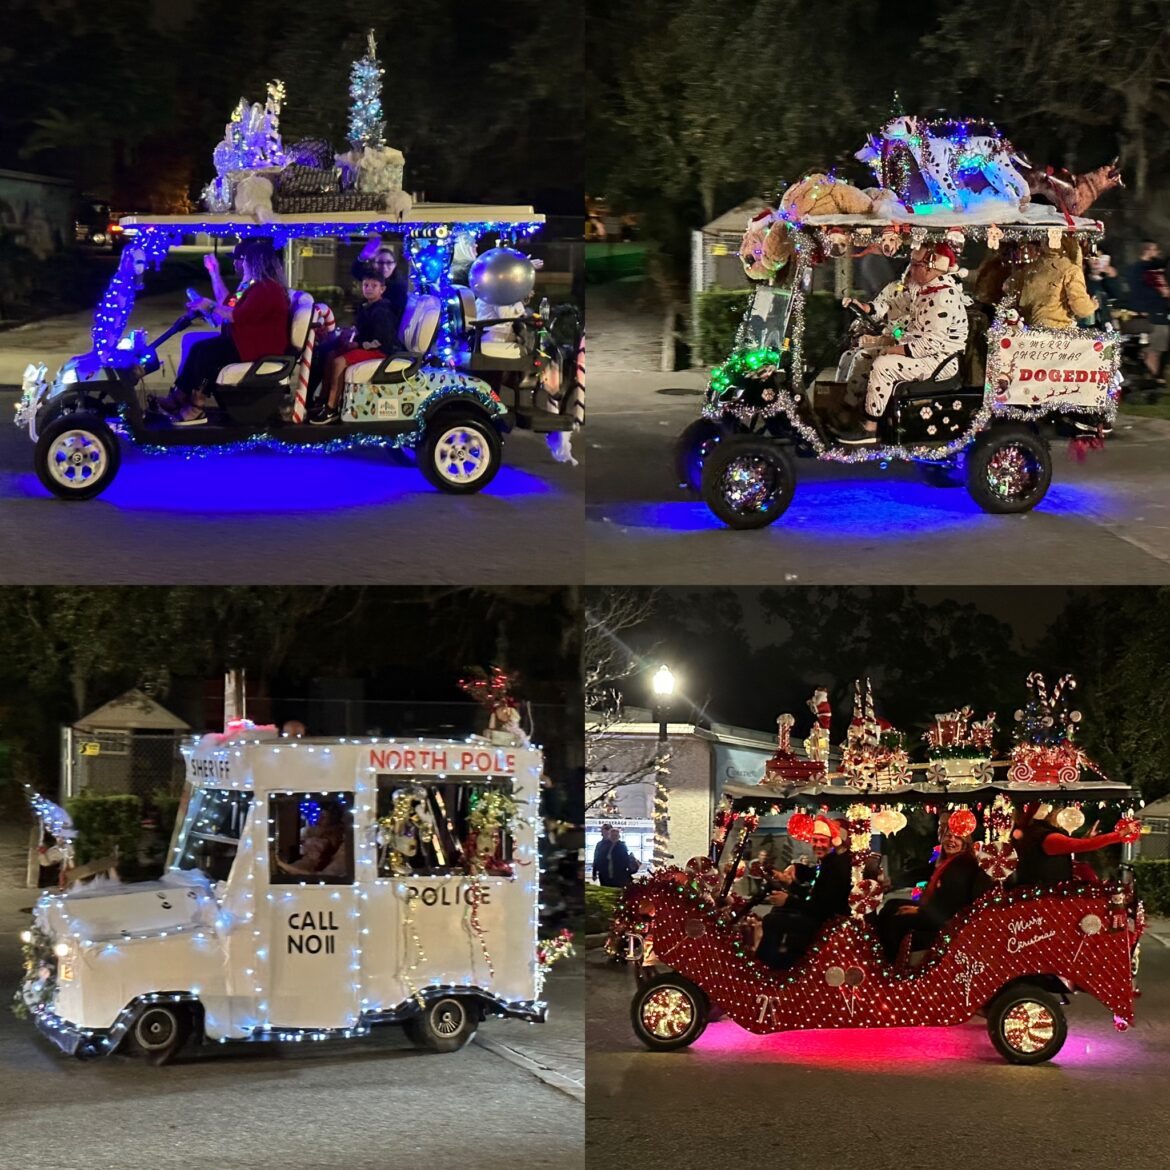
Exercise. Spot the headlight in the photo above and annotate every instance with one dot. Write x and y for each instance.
(69, 376)
(61, 950)
(26, 936)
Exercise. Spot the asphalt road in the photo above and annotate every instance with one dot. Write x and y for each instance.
(872, 1100)
(289, 518)
(1104, 521)
(359, 1105)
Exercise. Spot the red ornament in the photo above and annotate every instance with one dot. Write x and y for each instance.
(800, 826)
(962, 822)
(1129, 829)
(1005, 343)
(1098, 346)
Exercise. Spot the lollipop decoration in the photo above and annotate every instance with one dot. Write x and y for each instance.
(1045, 752)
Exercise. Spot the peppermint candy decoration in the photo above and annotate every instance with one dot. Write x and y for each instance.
(865, 897)
(998, 860)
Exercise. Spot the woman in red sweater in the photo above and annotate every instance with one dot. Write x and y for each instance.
(255, 325)
(1045, 851)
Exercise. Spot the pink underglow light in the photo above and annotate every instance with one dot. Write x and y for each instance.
(907, 1051)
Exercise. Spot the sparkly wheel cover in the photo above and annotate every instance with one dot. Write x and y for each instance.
(448, 1020)
(77, 458)
(1012, 472)
(461, 455)
(667, 1013)
(749, 483)
(1028, 1026)
(155, 1029)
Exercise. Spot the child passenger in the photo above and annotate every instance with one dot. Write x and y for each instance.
(373, 335)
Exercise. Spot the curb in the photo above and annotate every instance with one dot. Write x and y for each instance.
(552, 1078)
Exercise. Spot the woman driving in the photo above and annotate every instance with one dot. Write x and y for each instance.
(254, 324)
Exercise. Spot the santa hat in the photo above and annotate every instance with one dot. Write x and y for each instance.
(823, 827)
(955, 238)
(942, 256)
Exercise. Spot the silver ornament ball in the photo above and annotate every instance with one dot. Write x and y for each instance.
(502, 276)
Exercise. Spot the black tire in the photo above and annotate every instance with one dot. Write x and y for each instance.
(749, 482)
(691, 450)
(160, 1032)
(1027, 1024)
(460, 453)
(77, 456)
(444, 1025)
(1008, 470)
(940, 475)
(669, 1012)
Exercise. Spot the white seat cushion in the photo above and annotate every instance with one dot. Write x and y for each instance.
(490, 347)
(364, 371)
(233, 375)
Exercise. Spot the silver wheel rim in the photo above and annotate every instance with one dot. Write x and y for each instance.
(667, 1013)
(1028, 1026)
(749, 483)
(77, 459)
(1013, 472)
(447, 1017)
(461, 455)
(155, 1029)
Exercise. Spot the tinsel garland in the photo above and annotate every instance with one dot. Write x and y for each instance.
(410, 927)
(660, 814)
(493, 813)
(402, 817)
(38, 987)
(550, 951)
(475, 893)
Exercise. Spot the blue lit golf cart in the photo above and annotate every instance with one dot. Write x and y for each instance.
(450, 392)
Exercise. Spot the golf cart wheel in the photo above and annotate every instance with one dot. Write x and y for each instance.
(77, 456)
(668, 1012)
(159, 1032)
(444, 1025)
(1027, 1024)
(748, 482)
(691, 449)
(460, 452)
(940, 475)
(1008, 470)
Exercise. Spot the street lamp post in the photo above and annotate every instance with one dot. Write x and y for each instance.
(663, 690)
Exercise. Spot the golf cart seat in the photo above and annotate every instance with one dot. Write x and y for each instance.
(492, 343)
(935, 384)
(276, 370)
(420, 324)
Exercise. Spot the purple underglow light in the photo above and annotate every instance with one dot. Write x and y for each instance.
(276, 482)
(888, 508)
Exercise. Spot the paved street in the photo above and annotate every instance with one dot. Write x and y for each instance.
(1105, 521)
(274, 517)
(869, 1100)
(512, 1098)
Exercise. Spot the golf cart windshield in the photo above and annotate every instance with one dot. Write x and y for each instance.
(210, 835)
(766, 323)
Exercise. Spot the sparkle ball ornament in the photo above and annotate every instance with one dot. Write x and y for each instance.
(1129, 829)
(962, 822)
(502, 276)
(800, 826)
(1070, 819)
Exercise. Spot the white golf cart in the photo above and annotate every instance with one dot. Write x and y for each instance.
(315, 888)
(449, 392)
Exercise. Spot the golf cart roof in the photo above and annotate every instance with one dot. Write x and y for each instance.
(924, 793)
(1038, 217)
(422, 215)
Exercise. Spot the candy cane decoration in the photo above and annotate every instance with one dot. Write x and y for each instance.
(322, 318)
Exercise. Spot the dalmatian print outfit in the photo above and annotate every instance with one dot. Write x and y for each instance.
(936, 326)
(891, 305)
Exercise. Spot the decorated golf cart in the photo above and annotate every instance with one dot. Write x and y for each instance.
(1015, 955)
(981, 413)
(316, 888)
(474, 359)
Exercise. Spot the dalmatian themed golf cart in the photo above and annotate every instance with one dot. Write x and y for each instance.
(316, 888)
(982, 414)
(1015, 956)
(449, 394)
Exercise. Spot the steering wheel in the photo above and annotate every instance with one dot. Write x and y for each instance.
(861, 317)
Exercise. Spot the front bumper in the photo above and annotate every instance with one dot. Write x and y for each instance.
(71, 1039)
